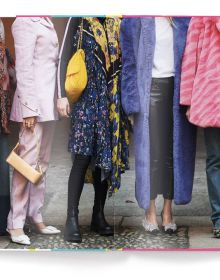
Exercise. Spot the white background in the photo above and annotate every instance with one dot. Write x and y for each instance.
(109, 265)
(109, 7)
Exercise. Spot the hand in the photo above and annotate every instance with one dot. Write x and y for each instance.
(131, 119)
(63, 107)
(188, 113)
(29, 123)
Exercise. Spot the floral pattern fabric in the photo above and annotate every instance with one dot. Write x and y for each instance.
(118, 119)
(99, 127)
(6, 90)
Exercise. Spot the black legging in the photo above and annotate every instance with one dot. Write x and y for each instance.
(101, 189)
(76, 182)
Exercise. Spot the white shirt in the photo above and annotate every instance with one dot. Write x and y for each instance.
(163, 63)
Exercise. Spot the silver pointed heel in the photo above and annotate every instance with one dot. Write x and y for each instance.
(151, 228)
(170, 228)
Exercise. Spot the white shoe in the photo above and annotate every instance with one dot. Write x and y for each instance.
(49, 230)
(151, 228)
(21, 239)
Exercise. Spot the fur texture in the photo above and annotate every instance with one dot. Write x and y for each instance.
(138, 44)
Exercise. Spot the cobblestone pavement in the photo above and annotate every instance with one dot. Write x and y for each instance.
(193, 219)
(124, 238)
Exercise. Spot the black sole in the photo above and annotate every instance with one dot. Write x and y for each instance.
(20, 243)
(170, 232)
(72, 240)
(102, 233)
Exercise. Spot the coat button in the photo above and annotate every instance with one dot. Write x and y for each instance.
(26, 103)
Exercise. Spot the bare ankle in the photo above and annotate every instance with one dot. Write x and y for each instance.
(167, 217)
(151, 217)
(40, 225)
(16, 232)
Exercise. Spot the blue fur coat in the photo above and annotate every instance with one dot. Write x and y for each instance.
(138, 44)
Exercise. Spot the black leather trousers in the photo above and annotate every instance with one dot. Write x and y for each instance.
(161, 137)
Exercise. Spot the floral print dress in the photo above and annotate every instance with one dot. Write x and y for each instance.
(99, 127)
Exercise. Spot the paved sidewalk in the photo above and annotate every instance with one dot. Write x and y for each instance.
(193, 232)
(124, 238)
(193, 219)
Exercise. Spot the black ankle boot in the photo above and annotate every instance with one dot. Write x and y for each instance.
(100, 225)
(72, 231)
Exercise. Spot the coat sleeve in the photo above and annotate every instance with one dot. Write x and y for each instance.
(218, 23)
(25, 39)
(66, 52)
(189, 64)
(129, 85)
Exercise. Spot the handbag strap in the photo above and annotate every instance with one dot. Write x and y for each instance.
(79, 45)
(38, 145)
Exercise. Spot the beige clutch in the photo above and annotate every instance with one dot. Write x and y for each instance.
(33, 175)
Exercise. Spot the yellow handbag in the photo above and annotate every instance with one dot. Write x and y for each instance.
(31, 174)
(76, 74)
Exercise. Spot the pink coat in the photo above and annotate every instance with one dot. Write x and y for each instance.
(200, 78)
(36, 50)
